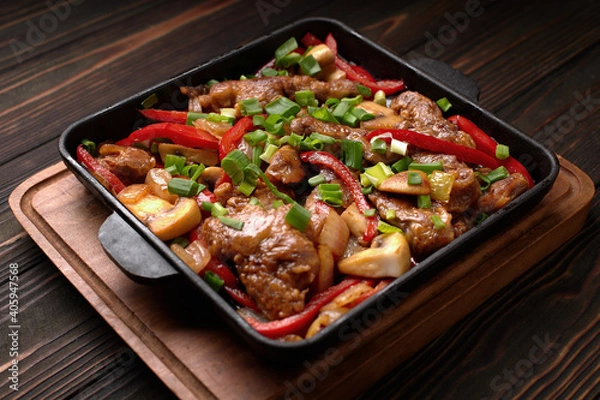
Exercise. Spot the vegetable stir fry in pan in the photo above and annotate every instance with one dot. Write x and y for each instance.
(301, 191)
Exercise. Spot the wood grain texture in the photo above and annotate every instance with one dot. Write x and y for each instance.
(179, 343)
(534, 61)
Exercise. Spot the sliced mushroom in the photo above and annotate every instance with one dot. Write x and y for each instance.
(385, 117)
(398, 184)
(389, 256)
(158, 181)
(165, 220)
(181, 218)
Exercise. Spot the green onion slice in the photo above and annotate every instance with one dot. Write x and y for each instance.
(428, 168)
(437, 222)
(184, 187)
(232, 222)
(233, 164)
(298, 217)
(384, 227)
(283, 106)
(309, 65)
(502, 152)
(414, 178)
(250, 107)
(444, 104)
(213, 280)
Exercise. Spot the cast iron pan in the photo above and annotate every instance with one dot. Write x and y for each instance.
(152, 261)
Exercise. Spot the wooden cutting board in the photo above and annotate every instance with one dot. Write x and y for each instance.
(196, 355)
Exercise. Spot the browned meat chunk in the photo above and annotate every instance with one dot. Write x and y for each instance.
(502, 192)
(129, 164)
(285, 166)
(423, 115)
(419, 228)
(265, 89)
(275, 262)
(308, 125)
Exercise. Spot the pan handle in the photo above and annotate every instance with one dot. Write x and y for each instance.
(136, 257)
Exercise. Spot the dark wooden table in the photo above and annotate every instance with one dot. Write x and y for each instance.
(538, 67)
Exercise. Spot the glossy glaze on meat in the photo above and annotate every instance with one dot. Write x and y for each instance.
(265, 89)
(275, 262)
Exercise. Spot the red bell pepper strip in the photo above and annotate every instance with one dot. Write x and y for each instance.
(241, 297)
(234, 135)
(178, 117)
(310, 40)
(354, 72)
(488, 145)
(328, 160)
(300, 321)
(184, 135)
(430, 143)
(360, 75)
(114, 183)
(331, 43)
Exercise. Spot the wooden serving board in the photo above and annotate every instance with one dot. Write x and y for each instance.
(196, 355)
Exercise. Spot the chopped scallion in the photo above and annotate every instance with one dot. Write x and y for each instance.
(323, 114)
(150, 101)
(309, 65)
(250, 107)
(384, 227)
(378, 146)
(424, 201)
(306, 98)
(174, 163)
(498, 174)
(285, 48)
(380, 98)
(352, 153)
(255, 137)
(398, 147)
(365, 91)
(444, 104)
(502, 152)
(402, 164)
(371, 212)
(232, 222)
(362, 114)
(233, 164)
(217, 210)
(213, 280)
(428, 168)
(184, 187)
(89, 146)
(414, 178)
(282, 106)
(317, 180)
(437, 222)
(269, 72)
(378, 173)
(270, 149)
(298, 217)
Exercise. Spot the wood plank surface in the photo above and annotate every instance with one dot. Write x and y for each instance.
(537, 65)
(171, 334)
